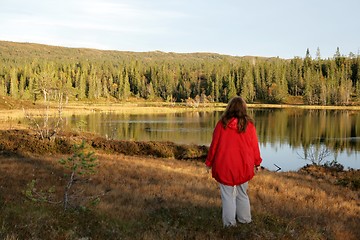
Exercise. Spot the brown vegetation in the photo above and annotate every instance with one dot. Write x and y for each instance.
(162, 197)
(28, 142)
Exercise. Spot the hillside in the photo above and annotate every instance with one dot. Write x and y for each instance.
(34, 50)
(33, 71)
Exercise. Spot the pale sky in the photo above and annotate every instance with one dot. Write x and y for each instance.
(270, 28)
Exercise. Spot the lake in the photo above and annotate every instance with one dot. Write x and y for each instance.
(288, 138)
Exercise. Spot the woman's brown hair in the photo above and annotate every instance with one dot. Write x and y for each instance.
(236, 108)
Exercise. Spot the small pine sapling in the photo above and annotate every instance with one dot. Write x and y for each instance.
(79, 164)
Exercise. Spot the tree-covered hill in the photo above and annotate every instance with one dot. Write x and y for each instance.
(40, 72)
(28, 51)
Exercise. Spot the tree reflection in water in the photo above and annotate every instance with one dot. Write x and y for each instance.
(283, 133)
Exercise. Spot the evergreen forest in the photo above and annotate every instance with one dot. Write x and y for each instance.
(45, 73)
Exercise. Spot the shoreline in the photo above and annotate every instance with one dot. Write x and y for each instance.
(147, 108)
(11, 118)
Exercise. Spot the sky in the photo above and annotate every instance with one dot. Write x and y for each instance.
(269, 28)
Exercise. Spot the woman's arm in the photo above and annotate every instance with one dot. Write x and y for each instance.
(213, 145)
(256, 149)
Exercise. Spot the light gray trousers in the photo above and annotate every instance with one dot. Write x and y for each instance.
(235, 204)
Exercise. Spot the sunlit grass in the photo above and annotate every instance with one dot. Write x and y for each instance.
(14, 118)
(164, 198)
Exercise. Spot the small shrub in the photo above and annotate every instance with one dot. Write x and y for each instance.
(78, 165)
(334, 166)
(316, 155)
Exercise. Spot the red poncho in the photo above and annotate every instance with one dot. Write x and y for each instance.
(233, 155)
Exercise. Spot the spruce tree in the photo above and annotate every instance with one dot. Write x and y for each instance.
(82, 86)
(91, 88)
(126, 87)
(308, 91)
(248, 90)
(217, 88)
(231, 87)
(14, 84)
(307, 59)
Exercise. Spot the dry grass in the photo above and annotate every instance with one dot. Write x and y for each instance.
(309, 205)
(296, 106)
(164, 198)
(15, 109)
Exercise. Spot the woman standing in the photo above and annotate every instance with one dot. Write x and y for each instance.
(234, 156)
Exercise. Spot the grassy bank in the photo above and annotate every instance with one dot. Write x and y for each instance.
(163, 195)
(11, 110)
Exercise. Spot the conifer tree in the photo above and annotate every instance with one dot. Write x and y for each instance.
(120, 84)
(150, 91)
(231, 87)
(29, 82)
(217, 88)
(307, 59)
(82, 86)
(318, 55)
(126, 87)
(323, 91)
(281, 89)
(308, 91)
(93, 92)
(22, 84)
(14, 84)
(248, 90)
(339, 60)
(318, 61)
(295, 80)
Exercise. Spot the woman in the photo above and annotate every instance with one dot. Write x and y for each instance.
(234, 155)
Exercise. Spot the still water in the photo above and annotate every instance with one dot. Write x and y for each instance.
(286, 136)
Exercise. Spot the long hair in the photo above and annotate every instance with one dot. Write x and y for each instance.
(236, 108)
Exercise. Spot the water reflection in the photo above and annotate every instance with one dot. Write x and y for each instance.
(284, 134)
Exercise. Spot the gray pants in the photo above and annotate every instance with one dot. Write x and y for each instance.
(235, 204)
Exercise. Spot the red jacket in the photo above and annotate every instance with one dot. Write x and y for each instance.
(233, 155)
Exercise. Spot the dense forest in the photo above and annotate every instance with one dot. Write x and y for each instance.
(45, 73)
